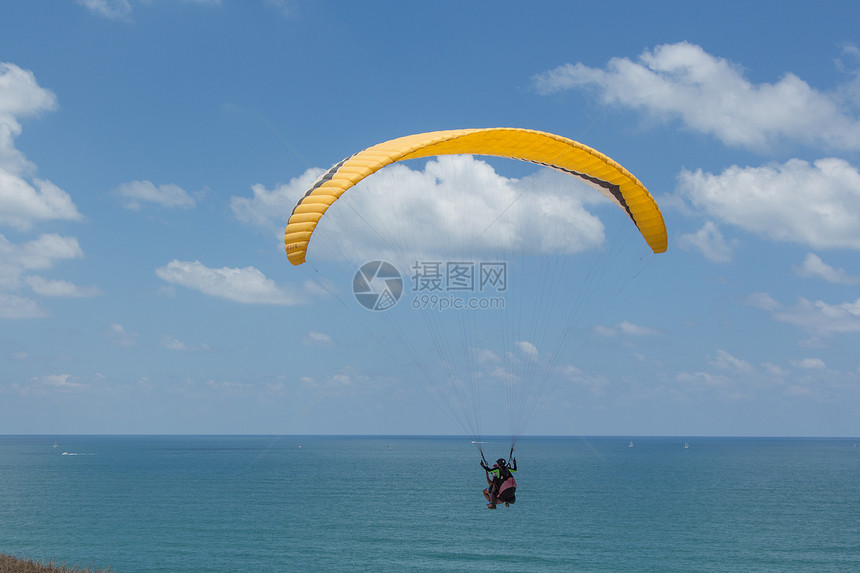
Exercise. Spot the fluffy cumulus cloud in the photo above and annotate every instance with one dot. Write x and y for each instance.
(596, 384)
(710, 242)
(62, 381)
(725, 361)
(711, 95)
(51, 383)
(270, 210)
(810, 203)
(811, 364)
(14, 306)
(245, 285)
(18, 260)
(814, 267)
(38, 254)
(818, 317)
(135, 193)
(20, 97)
(815, 204)
(527, 348)
(60, 288)
(732, 378)
(434, 209)
(26, 202)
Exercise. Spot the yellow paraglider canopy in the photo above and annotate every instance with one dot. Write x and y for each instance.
(571, 157)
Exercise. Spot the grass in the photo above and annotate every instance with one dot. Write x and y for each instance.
(9, 564)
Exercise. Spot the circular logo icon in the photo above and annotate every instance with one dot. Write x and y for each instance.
(377, 285)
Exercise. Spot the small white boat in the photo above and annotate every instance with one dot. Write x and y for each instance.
(630, 445)
(686, 446)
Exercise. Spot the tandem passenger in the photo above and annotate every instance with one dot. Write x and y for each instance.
(501, 484)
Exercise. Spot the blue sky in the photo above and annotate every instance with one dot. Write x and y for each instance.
(151, 152)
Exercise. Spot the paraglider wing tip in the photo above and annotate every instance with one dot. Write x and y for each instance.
(295, 254)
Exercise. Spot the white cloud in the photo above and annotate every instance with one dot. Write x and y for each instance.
(22, 204)
(734, 378)
(110, 9)
(726, 361)
(814, 204)
(849, 64)
(711, 95)
(763, 301)
(706, 378)
(811, 364)
(13, 306)
(624, 328)
(118, 334)
(596, 384)
(774, 370)
(812, 342)
(314, 338)
(486, 356)
(527, 348)
(168, 195)
(271, 209)
(453, 200)
(20, 96)
(39, 254)
(814, 267)
(818, 317)
(121, 9)
(60, 288)
(709, 241)
(60, 381)
(173, 343)
(245, 285)
(49, 383)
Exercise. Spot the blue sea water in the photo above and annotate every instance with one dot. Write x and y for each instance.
(263, 503)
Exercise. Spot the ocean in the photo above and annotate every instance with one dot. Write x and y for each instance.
(305, 503)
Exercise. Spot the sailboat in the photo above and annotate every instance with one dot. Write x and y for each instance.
(630, 445)
(686, 446)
